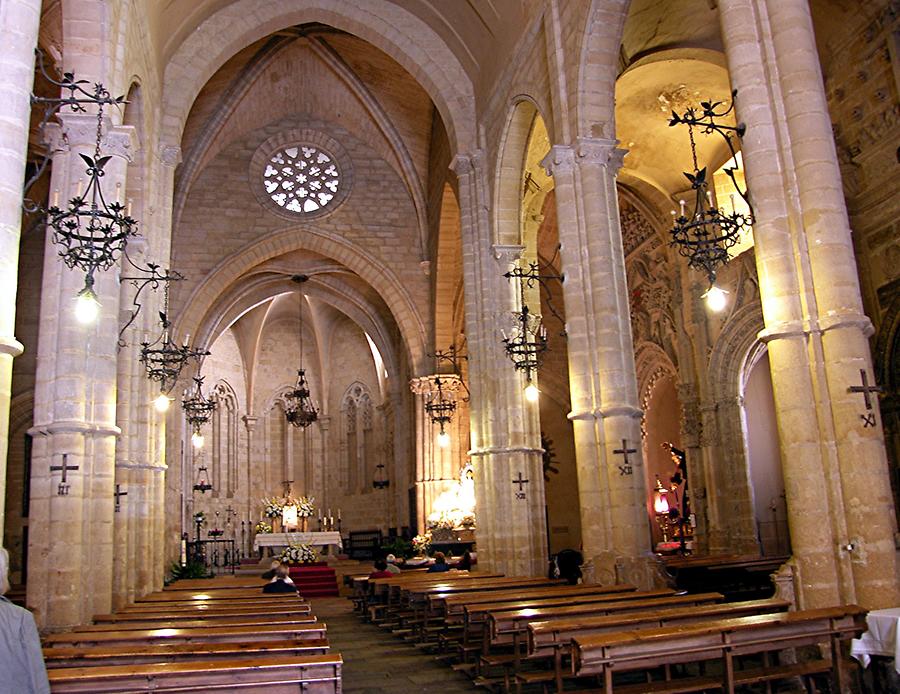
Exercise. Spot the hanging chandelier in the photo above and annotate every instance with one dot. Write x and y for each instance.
(526, 342)
(202, 484)
(702, 231)
(91, 229)
(440, 406)
(198, 409)
(164, 359)
(299, 409)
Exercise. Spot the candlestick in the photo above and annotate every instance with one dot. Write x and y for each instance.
(56, 198)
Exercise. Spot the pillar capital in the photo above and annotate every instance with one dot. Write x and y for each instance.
(250, 422)
(508, 253)
(559, 160)
(464, 163)
(423, 385)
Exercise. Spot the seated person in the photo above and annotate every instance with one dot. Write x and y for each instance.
(380, 570)
(391, 561)
(440, 563)
(465, 563)
(271, 572)
(281, 583)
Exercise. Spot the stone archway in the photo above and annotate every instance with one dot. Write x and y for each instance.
(399, 33)
(196, 317)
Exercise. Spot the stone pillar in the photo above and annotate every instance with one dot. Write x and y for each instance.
(505, 432)
(71, 537)
(250, 424)
(324, 461)
(437, 469)
(19, 21)
(605, 408)
(835, 469)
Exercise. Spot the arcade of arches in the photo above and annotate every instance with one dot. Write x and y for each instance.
(403, 155)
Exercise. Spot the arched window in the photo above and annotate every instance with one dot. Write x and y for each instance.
(224, 440)
(358, 446)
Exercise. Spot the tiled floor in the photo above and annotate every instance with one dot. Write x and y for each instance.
(375, 662)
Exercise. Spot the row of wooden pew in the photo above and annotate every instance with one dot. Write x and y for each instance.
(220, 633)
(535, 633)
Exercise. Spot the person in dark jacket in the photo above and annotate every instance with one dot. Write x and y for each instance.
(440, 563)
(281, 583)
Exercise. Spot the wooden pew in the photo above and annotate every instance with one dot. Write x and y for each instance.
(316, 674)
(73, 656)
(218, 582)
(236, 595)
(264, 603)
(206, 621)
(552, 637)
(199, 613)
(719, 640)
(261, 601)
(207, 634)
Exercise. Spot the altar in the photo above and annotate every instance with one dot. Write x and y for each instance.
(277, 540)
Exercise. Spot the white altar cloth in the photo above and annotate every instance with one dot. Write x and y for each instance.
(324, 539)
(880, 639)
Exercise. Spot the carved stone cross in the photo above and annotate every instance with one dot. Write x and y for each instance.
(625, 451)
(63, 488)
(520, 481)
(119, 494)
(865, 388)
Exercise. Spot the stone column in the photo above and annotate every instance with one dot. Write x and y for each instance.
(835, 469)
(437, 469)
(250, 424)
(19, 21)
(71, 536)
(605, 407)
(505, 432)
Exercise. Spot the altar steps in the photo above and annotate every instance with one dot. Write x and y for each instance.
(315, 580)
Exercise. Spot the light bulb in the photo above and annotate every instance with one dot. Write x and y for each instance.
(532, 393)
(443, 439)
(197, 440)
(161, 403)
(715, 298)
(87, 307)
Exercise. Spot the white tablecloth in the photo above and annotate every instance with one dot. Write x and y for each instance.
(880, 639)
(285, 539)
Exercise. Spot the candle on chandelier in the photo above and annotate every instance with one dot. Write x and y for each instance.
(339, 514)
(56, 198)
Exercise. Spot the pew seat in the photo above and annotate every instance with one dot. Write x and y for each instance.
(125, 655)
(315, 674)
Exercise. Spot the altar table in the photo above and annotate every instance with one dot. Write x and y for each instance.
(880, 639)
(324, 539)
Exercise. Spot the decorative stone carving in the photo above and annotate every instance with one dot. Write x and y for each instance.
(635, 227)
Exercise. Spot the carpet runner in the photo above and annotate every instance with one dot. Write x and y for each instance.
(315, 580)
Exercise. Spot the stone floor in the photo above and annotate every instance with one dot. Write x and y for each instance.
(375, 662)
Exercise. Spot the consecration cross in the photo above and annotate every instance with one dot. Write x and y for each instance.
(63, 488)
(521, 482)
(866, 390)
(119, 494)
(626, 467)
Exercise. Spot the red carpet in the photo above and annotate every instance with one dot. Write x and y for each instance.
(315, 580)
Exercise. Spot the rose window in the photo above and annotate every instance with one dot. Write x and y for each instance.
(301, 178)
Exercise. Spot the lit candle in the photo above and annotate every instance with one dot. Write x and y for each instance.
(731, 197)
(681, 203)
(56, 198)
(709, 197)
(118, 191)
(128, 209)
(187, 339)
(78, 189)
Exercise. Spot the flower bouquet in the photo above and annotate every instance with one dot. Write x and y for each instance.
(305, 507)
(263, 528)
(421, 543)
(298, 554)
(272, 508)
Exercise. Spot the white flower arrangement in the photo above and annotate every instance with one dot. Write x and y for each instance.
(305, 506)
(298, 554)
(272, 508)
(263, 528)
(422, 542)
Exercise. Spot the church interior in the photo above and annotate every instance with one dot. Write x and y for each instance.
(515, 276)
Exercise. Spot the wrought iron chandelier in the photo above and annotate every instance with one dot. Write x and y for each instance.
(381, 481)
(198, 409)
(526, 342)
(704, 232)
(440, 405)
(164, 359)
(91, 229)
(202, 484)
(299, 409)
